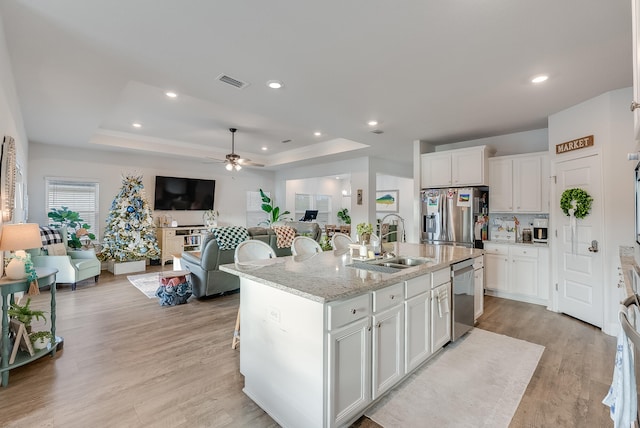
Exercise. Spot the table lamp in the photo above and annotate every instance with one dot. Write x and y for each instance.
(19, 237)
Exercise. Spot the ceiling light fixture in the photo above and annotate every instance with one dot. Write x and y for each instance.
(136, 125)
(317, 133)
(171, 94)
(233, 160)
(275, 84)
(372, 123)
(539, 79)
(264, 149)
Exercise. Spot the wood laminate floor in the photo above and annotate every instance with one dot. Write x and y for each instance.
(128, 362)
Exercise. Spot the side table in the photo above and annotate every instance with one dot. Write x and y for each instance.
(8, 287)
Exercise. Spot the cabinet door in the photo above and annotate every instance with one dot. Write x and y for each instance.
(467, 167)
(527, 184)
(417, 330)
(544, 277)
(496, 267)
(349, 371)
(478, 296)
(388, 349)
(436, 170)
(440, 317)
(501, 185)
(524, 271)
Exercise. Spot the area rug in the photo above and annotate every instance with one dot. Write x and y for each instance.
(147, 283)
(477, 381)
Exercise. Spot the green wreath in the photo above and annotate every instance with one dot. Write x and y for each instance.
(581, 197)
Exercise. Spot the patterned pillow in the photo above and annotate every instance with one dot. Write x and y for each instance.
(284, 236)
(229, 237)
(50, 235)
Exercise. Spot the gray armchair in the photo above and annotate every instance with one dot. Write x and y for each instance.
(206, 278)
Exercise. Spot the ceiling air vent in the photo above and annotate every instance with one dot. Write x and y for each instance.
(378, 131)
(286, 141)
(233, 82)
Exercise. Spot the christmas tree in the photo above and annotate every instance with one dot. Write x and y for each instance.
(130, 234)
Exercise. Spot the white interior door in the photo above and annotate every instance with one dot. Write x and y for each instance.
(580, 271)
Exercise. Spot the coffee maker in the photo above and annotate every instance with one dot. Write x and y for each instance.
(540, 229)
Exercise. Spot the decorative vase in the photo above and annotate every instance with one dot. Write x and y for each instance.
(364, 238)
(210, 219)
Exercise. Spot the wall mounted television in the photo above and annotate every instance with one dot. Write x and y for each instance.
(176, 193)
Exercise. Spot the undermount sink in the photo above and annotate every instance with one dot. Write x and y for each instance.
(402, 262)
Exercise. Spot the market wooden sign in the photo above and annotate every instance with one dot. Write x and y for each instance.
(578, 144)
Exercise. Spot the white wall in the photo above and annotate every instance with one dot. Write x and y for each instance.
(517, 143)
(108, 168)
(608, 118)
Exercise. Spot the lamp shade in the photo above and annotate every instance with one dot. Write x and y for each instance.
(20, 236)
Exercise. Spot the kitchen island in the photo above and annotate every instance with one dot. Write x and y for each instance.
(323, 337)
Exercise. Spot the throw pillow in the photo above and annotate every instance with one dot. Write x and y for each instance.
(56, 249)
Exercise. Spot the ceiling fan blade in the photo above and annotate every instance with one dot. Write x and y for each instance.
(248, 162)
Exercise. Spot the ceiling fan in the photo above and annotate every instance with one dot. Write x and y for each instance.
(233, 160)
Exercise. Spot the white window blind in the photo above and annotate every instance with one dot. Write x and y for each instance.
(255, 215)
(322, 203)
(78, 195)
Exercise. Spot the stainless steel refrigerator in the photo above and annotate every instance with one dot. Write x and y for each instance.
(449, 216)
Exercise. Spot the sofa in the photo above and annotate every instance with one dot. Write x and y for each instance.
(268, 236)
(206, 278)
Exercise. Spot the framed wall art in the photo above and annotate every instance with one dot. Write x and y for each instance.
(8, 178)
(387, 201)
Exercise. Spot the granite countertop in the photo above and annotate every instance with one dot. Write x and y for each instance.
(325, 277)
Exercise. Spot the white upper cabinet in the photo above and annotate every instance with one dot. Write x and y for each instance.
(635, 106)
(519, 184)
(455, 168)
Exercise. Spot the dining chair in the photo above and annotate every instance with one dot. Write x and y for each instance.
(247, 251)
(303, 245)
(340, 241)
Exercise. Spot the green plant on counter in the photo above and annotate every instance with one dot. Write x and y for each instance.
(272, 211)
(344, 216)
(362, 228)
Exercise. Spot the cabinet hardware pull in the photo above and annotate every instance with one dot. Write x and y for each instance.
(353, 311)
(392, 297)
(379, 325)
(369, 328)
(634, 105)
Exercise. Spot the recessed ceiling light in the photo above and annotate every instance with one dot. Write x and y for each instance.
(136, 125)
(317, 133)
(275, 84)
(372, 123)
(171, 94)
(539, 79)
(264, 148)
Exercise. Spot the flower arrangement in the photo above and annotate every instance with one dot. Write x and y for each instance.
(362, 228)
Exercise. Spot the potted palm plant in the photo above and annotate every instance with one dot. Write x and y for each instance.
(273, 212)
(25, 314)
(77, 229)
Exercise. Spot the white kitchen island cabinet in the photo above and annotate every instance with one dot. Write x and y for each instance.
(323, 340)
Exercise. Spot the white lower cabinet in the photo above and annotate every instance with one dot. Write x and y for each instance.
(349, 343)
(388, 338)
(478, 283)
(417, 313)
(440, 308)
(519, 272)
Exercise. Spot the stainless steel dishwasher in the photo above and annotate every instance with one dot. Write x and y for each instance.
(463, 302)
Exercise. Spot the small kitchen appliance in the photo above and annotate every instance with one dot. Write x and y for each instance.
(540, 228)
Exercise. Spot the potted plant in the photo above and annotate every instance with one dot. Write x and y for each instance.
(364, 231)
(41, 339)
(25, 314)
(273, 212)
(77, 229)
(325, 243)
(344, 216)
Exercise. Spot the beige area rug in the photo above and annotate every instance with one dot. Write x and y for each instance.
(477, 381)
(146, 282)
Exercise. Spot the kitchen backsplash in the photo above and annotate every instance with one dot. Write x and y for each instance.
(502, 226)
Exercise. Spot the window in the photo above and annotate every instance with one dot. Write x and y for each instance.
(255, 215)
(322, 203)
(79, 195)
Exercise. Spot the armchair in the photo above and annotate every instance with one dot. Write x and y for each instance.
(73, 265)
(206, 278)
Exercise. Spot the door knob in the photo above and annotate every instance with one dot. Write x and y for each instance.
(594, 246)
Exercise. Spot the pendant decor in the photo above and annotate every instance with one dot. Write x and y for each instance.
(576, 203)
